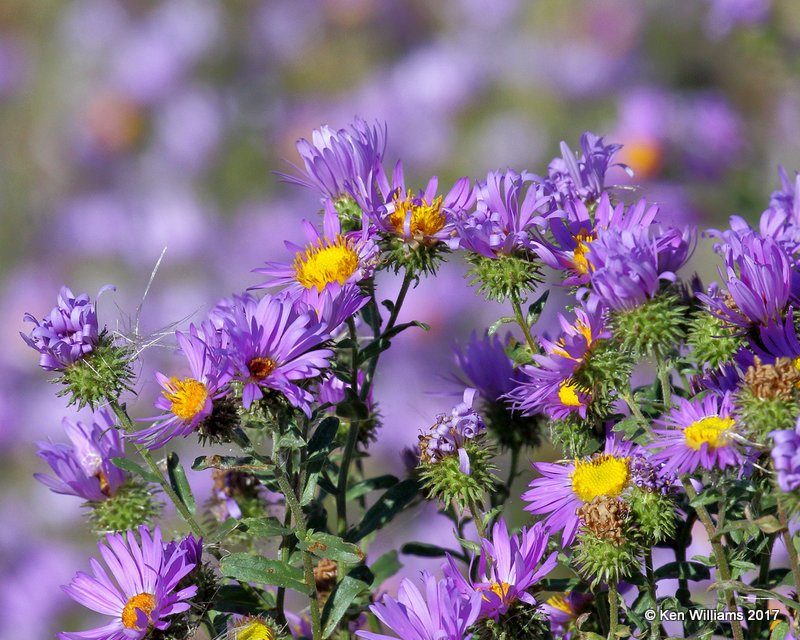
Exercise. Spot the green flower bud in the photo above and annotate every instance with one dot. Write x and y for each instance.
(444, 480)
(133, 504)
(654, 515)
(600, 559)
(350, 214)
(505, 277)
(414, 257)
(654, 328)
(101, 375)
(711, 340)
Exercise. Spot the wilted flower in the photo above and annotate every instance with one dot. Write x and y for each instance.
(443, 613)
(509, 566)
(85, 468)
(147, 574)
(451, 432)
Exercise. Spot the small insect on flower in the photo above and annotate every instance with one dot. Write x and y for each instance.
(146, 593)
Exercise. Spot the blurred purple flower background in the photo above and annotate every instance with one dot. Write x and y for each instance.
(131, 127)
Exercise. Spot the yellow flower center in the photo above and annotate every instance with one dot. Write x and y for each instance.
(500, 589)
(188, 397)
(579, 260)
(253, 629)
(260, 368)
(560, 602)
(326, 262)
(604, 475)
(144, 602)
(423, 218)
(568, 395)
(796, 363)
(585, 329)
(711, 431)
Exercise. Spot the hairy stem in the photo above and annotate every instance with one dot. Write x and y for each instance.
(666, 385)
(350, 444)
(526, 330)
(477, 517)
(127, 424)
(719, 553)
(655, 626)
(613, 610)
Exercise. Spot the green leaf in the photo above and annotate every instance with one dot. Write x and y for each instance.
(232, 598)
(425, 550)
(493, 328)
(536, 308)
(386, 566)
(743, 588)
(322, 440)
(688, 570)
(374, 348)
(325, 545)
(131, 467)
(264, 527)
(249, 568)
(358, 580)
(385, 509)
(769, 524)
(371, 484)
(180, 485)
(222, 531)
(780, 631)
(399, 328)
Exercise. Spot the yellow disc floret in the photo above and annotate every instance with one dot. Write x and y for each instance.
(144, 602)
(326, 262)
(560, 602)
(253, 628)
(712, 431)
(260, 368)
(568, 394)
(414, 216)
(500, 589)
(188, 397)
(579, 260)
(603, 475)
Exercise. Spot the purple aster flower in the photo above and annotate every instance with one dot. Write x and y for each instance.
(68, 333)
(442, 613)
(334, 304)
(563, 488)
(581, 177)
(484, 365)
(572, 229)
(650, 475)
(450, 433)
(629, 266)
(786, 457)
(332, 391)
(508, 207)
(330, 260)
(698, 433)
(273, 345)
(509, 566)
(186, 402)
(416, 217)
(759, 280)
(145, 594)
(336, 161)
(548, 387)
(84, 469)
(726, 378)
(191, 547)
(563, 610)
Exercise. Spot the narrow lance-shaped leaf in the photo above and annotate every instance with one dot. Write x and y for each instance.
(180, 485)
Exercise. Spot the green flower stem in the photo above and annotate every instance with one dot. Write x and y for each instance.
(719, 553)
(655, 626)
(352, 434)
(635, 410)
(526, 330)
(789, 543)
(666, 386)
(477, 517)
(613, 610)
(127, 424)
